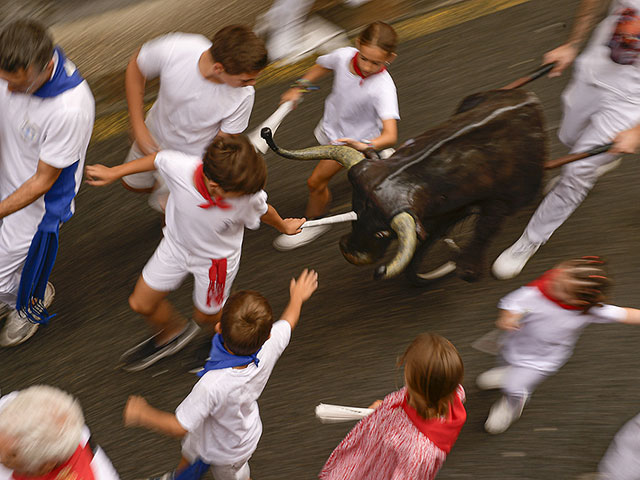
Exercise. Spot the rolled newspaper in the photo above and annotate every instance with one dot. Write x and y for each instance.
(343, 217)
(328, 413)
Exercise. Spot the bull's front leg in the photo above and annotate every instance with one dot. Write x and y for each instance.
(470, 264)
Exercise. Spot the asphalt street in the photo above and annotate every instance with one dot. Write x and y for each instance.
(353, 329)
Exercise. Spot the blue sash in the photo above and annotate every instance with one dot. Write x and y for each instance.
(57, 201)
(194, 471)
(220, 358)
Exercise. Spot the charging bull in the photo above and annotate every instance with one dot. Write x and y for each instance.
(489, 155)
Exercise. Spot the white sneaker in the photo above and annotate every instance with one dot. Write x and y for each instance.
(492, 379)
(17, 329)
(309, 234)
(511, 262)
(502, 415)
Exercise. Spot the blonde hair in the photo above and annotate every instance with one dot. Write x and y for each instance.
(45, 425)
(433, 370)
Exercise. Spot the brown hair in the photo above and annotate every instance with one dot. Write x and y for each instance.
(589, 281)
(381, 35)
(239, 50)
(433, 370)
(24, 43)
(235, 165)
(246, 322)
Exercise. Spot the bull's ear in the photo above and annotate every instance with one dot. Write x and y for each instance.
(420, 231)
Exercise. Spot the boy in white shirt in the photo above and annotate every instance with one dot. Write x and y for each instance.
(544, 321)
(213, 198)
(361, 111)
(206, 89)
(219, 420)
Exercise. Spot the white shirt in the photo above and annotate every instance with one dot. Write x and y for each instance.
(596, 64)
(190, 110)
(221, 412)
(355, 107)
(205, 232)
(55, 130)
(100, 465)
(548, 332)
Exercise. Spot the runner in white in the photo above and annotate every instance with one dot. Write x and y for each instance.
(206, 89)
(601, 105)
(46, 122)
(43, 436)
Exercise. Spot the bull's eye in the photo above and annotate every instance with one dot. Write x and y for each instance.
(383, 234)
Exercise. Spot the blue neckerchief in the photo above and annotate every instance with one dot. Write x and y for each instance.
(62, 80)
(220, 358)
(194, 471)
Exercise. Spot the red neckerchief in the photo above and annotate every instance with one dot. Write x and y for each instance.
(217, 280)
(443, 434)
(198, 180)
(78, 467)
(356, 69)
(543, 283)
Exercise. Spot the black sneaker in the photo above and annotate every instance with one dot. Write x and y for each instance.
(195, 362)
(147, 353)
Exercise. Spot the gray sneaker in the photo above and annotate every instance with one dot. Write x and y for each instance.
(18, 329)
(147, 353)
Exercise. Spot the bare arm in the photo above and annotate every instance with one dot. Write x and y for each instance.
(290, 226)
(31, 190)
(135, 83)
(508, 320)
(388, 137)
(300, 290)
(633, 316)
(314, 74)
(138, 413)
(99, 175)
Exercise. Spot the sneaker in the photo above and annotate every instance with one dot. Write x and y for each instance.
(492, 379)
(147, 353)
(503, 413)
(308, 235)
(511, 262)
(18, 329)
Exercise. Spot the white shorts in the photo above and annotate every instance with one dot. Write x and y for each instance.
(320, 134)
(139, 181)
(169, 266)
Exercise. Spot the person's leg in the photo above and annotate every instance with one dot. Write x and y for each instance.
(318, 184)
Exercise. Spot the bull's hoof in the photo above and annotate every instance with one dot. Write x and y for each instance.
(380, 272)
(469, 272)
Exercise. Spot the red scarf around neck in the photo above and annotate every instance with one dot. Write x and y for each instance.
(78, 467)
(356, 68)
(543, 283)
(198, 180)
(443, 433)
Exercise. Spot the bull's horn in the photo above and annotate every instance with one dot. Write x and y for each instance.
(346, 156)
(405, 226)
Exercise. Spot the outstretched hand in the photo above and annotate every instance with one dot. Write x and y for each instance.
(562, 56)
(291, 226)
(133, 410)
(350, 142)
(301, 288)
(99, 175)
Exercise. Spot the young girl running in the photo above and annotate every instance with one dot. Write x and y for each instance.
(544, 320)
(412, 430)
(361, 111)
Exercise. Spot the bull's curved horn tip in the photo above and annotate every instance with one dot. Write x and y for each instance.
(380, 272)
(266, 133)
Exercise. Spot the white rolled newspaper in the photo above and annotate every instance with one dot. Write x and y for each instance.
(328, 413)
(343, 217)
(273, 122)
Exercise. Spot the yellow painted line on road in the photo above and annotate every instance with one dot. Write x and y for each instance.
(116, 123)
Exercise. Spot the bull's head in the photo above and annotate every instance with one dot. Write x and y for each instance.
(371, 233)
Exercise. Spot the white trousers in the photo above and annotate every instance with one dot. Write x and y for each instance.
(622, 461)
(592, 116)
(521, 382)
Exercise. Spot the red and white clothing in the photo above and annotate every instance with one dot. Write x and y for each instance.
(602, 100)
(190, 110)
(197, 239)
(55, 130)
(356, 107)
(87, 463)
(395, 443)
(221, 413)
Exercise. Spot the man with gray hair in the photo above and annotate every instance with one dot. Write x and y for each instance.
(43, 435)
(47, 118)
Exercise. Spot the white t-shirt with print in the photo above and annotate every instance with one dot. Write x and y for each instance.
(100, 465)
(205, 232)
(595, 62)
(55, 130)
(221, 412)
(190, 110)
(548, 332)
(355, 107)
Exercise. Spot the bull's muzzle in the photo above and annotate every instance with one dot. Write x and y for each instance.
(405, 227)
